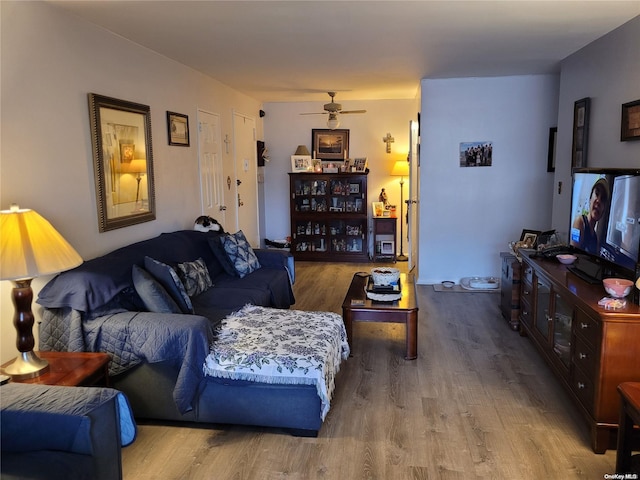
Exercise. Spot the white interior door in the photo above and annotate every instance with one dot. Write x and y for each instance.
(414, 187)
(211, 168)
(246, 166)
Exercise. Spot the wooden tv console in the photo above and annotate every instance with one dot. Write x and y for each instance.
(591, 350)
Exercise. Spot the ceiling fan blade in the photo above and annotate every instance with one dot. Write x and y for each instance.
(314, 113)
(353, 111)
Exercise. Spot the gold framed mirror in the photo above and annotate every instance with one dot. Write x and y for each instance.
(123, 162)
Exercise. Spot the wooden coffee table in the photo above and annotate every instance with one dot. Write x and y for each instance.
(358, 308)
(73, 369)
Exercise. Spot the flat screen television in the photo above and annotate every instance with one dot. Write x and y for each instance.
(605, 217)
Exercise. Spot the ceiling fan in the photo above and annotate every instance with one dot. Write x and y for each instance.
(333, 109)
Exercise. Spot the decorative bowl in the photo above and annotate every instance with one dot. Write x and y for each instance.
(385, 276)
(567, 259)
(617, 287)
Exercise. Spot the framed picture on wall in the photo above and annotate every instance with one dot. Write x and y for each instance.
(178, 129)
(630, 121)
(580, 133)
(551, 156)
(330, 144)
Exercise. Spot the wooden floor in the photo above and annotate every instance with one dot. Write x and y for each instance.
(477, 403)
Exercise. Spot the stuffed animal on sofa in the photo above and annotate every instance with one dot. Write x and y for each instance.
(205, 223)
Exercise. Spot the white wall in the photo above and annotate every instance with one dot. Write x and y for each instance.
(608, 71)
(469, 215)
(50, 62)
(285, 129)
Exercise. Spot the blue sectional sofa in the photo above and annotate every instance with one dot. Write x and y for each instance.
(157, 351)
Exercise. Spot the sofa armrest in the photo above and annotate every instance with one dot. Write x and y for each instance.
(278, 259)
(90, 421)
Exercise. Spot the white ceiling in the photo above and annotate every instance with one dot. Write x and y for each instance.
(283, 51)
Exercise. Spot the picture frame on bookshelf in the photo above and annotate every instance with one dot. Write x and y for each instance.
(300, 163)
(360, 164)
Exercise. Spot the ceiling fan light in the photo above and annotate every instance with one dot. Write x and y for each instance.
(333, 121)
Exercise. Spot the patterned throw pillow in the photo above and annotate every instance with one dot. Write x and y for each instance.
(240, 253)
(195, 277)
(215, 243)
(169, 279)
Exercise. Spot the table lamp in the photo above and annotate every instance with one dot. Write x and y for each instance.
(29, 247)
(401, 169)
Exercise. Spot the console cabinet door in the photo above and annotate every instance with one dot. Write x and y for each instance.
(543, 317)
(562, 322)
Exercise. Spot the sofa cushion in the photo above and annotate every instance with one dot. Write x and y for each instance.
(240, 253)
(154, 296)
(169, 279)
(215, 243)
(195, 276)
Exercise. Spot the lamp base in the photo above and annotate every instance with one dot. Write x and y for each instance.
(27, 365)
(402, 258)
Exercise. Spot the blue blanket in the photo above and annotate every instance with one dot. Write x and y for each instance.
(135, 337)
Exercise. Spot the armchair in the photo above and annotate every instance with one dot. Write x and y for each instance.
(56, 432)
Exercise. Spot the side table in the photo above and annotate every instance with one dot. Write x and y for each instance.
(73, 369)
(384, 238)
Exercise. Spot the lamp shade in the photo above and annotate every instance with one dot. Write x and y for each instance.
(333, 121)
(30, 246)
(400, 169)
(302, 150)
(139, 165)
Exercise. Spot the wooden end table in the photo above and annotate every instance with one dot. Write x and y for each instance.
(73, 369)
(358, 308)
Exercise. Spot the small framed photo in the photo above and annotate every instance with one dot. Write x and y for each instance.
(580, 133)
(354, 188)
(300, 163)
(360, 164)
(378, 209)
(178, 129)
(346, 166)
(530, 238)
(630, 121)
(387, 247)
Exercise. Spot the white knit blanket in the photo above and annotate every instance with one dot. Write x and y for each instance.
(278, 346)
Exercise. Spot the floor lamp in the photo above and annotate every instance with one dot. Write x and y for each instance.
(30, 247)
(139, 167)
(401, 169)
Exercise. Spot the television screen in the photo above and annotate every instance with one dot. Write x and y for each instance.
(605, 215)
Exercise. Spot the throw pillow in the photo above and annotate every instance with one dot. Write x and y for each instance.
(215, 243)
(153, 295)
(195, 276)
(169, 279)
(240, 253)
